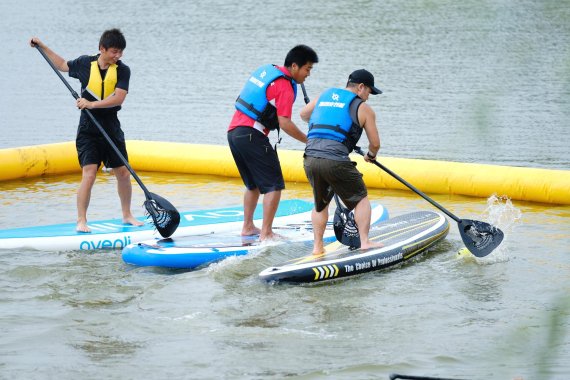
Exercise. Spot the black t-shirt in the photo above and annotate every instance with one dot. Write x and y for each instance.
(80, 68)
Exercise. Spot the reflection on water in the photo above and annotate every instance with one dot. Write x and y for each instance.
(106, 348)
(105, 306)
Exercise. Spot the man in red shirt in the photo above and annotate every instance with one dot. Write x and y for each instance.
(264, 104)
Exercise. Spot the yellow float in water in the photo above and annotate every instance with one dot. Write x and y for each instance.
(430, 176)
(464, 253)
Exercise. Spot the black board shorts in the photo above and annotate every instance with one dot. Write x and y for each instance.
(93, 148)
(256, 160)
(328, 177)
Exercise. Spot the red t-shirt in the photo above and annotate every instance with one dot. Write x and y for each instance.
(280, 94)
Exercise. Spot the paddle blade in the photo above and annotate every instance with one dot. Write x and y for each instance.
(480, 238)
(164, 215)
(345, 228)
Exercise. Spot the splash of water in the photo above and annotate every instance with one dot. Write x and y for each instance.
(501, 213)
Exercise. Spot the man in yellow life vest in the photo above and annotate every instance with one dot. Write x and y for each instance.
(104, 86)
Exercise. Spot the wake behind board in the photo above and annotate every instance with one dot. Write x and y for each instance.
(194, 251)
(114, 234)
(403, 237)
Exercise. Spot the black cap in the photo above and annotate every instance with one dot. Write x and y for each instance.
(364, 77)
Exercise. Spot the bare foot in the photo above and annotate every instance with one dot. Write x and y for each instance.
(272, 237)
(319, 252)
(133, 221)
(82, 227)
(370, 245)
(250, 231)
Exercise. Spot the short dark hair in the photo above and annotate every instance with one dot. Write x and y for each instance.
(300, 54)
(113, 38)
(350, 84)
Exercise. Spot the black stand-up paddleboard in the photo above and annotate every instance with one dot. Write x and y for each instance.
(403, 237)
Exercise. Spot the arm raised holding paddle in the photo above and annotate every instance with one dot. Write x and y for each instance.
(59, 62)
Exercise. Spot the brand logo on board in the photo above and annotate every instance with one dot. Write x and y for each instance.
(105, 243)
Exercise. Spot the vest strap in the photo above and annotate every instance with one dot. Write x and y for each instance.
(335, 128)
(249, 106)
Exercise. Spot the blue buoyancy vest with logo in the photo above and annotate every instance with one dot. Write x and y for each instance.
(252, 99)
(335, 117)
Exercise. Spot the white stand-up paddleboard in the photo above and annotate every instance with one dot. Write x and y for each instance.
(114, 234)
(194, 251)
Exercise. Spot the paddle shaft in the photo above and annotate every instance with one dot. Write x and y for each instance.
(305, 96)
(97, 124)
(412, 187)
(479, 237)
(395, 376)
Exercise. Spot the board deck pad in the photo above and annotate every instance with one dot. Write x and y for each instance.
(193, 251)
(114, 234)
(404, 237)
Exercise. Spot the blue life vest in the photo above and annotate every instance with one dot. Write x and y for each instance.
(335, 117)
(252, 99)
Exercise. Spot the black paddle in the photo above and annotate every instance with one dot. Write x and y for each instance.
(479, 237)
(164, 215)
(394, 376)
(344, 225)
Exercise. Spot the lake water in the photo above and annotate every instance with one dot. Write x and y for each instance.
(471, 81)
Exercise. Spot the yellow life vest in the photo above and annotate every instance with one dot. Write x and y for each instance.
(98, 87)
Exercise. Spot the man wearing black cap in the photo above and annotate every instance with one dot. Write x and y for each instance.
(336, 121)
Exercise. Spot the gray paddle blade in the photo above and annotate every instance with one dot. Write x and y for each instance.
(345, 228)
(164, 215)
(480, 238)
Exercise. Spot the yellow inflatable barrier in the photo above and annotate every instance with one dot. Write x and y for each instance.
(430, 176)
(38, 160)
